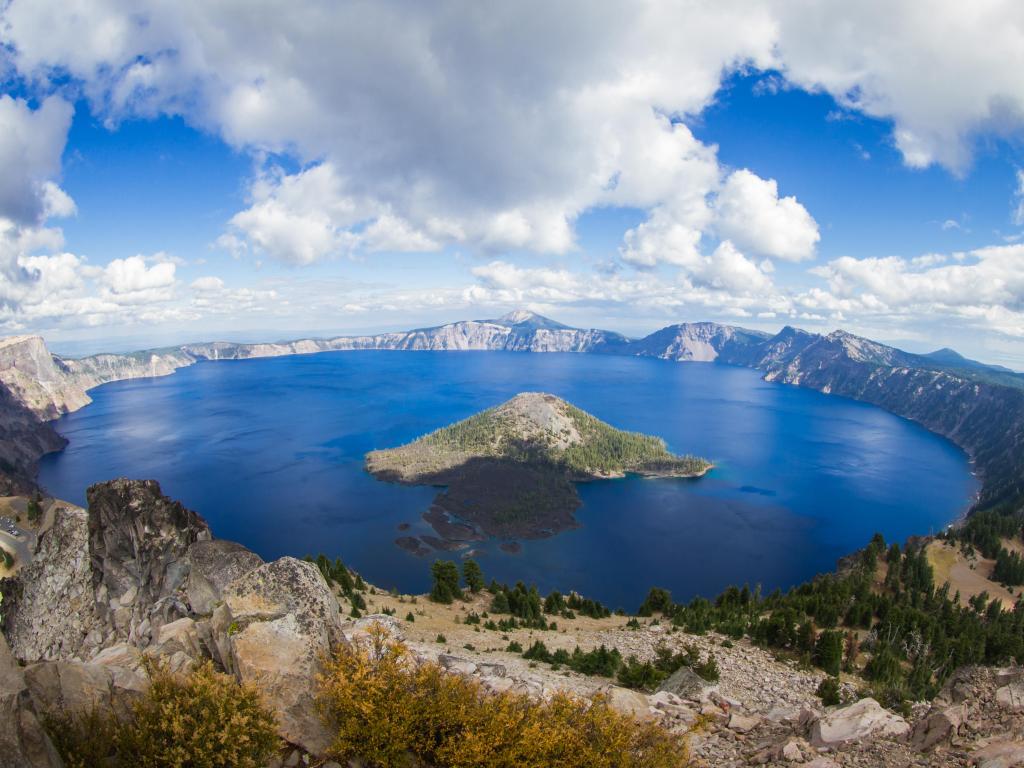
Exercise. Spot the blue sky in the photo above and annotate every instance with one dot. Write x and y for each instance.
(174, 176)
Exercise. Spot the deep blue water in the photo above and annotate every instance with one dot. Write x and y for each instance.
(271, 453)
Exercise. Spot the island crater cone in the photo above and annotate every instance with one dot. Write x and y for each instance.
(509, 470)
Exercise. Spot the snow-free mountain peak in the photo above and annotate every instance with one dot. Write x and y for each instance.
(525, 317)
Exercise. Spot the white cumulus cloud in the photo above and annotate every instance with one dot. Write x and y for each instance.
(751, 214)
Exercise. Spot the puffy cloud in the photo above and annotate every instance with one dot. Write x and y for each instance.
(298, 218)
(983, 287)
(31, 144)
(751, 214)
(126, 277)
(944, 72)
(207, 284)
(496, 128)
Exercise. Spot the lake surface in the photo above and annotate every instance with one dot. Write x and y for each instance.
(271, 451)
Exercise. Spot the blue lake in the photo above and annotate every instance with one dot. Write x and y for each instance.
(271, 451)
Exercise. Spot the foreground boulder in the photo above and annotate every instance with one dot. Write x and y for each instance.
(212, 566)
(23, 742)
(78, 688)
(274, 629)
(860, 720)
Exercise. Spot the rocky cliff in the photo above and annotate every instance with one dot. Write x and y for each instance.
(979, 407)
(138, 574)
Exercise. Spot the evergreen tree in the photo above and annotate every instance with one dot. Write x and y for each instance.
(658, 601)
(500, 603)
(35, 510)
(473, 575)
(445, 587)
(828, 652)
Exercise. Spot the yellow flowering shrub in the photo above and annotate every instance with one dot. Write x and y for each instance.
(200, 720)
(393, 712)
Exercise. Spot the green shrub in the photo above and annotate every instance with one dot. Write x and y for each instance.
(828, 691)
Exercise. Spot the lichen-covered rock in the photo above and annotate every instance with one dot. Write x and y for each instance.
(213, 565)
(50, 607)
(999, 754)
(78, 687)
(1011, 696)
(860, 720)
(23, 742)
(275, 627)
(687, 684)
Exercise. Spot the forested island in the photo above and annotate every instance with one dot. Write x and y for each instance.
(509, 470)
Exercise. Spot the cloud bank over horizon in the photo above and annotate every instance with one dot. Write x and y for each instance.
(480, 138)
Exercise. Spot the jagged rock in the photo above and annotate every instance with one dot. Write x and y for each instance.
(179, 645)
(456, 664)
(213, 564)
(792, 752)
(628, 702)
(854, 722)
(275, 627)
(50, 606)
(77, 687)
(1011, 696)
(687, 684)
(138, 539)
(939, 726)
(1000, 754)
(1007, 675)
(23, 741)
(743, 723)
(492, 670)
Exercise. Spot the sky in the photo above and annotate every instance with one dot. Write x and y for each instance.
(175, 172)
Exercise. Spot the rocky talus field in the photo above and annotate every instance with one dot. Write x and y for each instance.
(138, 576)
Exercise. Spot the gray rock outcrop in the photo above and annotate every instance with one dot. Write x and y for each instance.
(274, 629)
(50, 609)
(23, 741)
(213, 564)
(138, 542)
(113, 573)
(860, 720)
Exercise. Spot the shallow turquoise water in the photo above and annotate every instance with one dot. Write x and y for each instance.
(271, 453)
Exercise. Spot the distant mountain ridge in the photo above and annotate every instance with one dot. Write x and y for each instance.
(979, 407)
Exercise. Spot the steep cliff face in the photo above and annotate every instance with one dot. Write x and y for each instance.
(33, 389)
(982, 416)
(24, 437)
(88, 372)
(698, 342)
(36, 379)
(978, 407)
